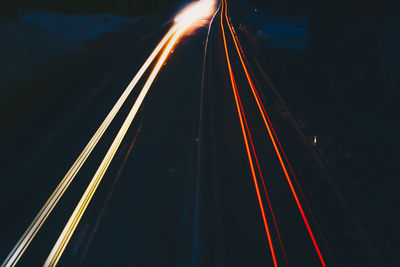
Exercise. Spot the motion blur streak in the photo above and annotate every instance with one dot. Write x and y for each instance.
(195, 11)
(259, 171)
(242, 120)
(76, 216)
(41, 217)
(72, 223)
(269, 126)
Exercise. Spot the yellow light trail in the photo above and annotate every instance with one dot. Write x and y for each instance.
(41, 217)
(204, 9)
(72, 223)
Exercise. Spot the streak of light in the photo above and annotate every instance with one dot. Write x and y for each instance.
(242, 120)
(73, 221)
(77, 214)
(195, 12)
(260, 173)
(263, 183)
(281, 148)
(41, 217)
(269, 126)
(195, 15)
(99, 218)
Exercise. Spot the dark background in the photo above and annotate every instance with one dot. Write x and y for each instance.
(119, 7)
(339, 90)
(345, 89)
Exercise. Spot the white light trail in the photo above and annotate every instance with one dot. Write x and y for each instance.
(203, 10)
(41, 217)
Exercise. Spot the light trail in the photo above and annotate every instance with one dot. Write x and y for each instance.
(194, 12)
(268, 125)
(204, 8)
(262, 180)
(243, 121)
(72, 223)
(41, 217)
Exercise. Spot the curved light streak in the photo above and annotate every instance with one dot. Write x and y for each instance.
(77, 214)
(72, 223)
(41, 217)
(243, 122)
(271, 135)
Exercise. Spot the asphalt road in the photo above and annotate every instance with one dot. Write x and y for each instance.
(243, 232)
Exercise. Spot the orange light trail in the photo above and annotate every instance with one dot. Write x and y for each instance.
(275, 135)
(269, 126)
(242, 120)
(265, 189)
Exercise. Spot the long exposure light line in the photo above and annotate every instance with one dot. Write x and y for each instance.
(41, 217)
(204, 8)
(271, 135)
(260, 173)
(242, 121)
(72, 223)
(263, 183)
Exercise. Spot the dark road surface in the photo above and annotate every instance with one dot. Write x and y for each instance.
(148, 204)
(179, 191)
(245, 241)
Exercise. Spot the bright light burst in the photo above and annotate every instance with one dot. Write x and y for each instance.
(195, 12)
(189, 17)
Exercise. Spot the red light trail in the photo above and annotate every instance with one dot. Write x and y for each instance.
(243, 121)
(272, 135)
